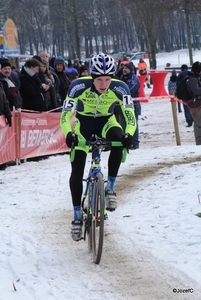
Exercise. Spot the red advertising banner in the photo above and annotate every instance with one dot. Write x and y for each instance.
(40, 134)
(7, 140)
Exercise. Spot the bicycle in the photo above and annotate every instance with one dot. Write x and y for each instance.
(94, 211)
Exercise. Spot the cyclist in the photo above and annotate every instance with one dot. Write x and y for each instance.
(93, 98)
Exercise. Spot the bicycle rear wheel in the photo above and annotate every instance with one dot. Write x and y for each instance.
(97, 223)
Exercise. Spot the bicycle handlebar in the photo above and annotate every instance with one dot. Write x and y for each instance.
(100, 143)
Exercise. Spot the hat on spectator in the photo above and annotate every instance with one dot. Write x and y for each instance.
(59, 60)
(129, 66)
(174, 73)
(184, 67)
(196, 67)
(38, 58)
(5, 63)
(51, 61)
(82, 69)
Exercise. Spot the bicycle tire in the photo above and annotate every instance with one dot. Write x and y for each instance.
(89, 231)
(97, 223)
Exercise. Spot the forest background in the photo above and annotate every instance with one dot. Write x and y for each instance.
(81, 28)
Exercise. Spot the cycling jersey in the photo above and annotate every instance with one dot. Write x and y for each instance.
(85, 101)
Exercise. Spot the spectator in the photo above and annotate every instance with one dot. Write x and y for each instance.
(194, 86)
(9, 86)
(76, 64)
(59, 65)
(172, 87)
(142, 69)
(71, 72)
(40, 73)
(119, 70)
(4, 106)
(32, 89)
(124, 60)
(50, 95)
(187, 114)
(83, 71)
(45, 56)
(133, 83)
(14, 75)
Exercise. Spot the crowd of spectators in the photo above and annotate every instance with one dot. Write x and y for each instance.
(41, 84)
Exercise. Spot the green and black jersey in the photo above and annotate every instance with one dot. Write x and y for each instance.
(82, 99)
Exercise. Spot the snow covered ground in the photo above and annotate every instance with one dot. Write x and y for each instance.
(152, 243)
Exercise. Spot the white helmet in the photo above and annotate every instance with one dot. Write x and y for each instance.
(102, 64)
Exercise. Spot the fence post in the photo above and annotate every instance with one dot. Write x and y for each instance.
(17, 140)
(175, 120)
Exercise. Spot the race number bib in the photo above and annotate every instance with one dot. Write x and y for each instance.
(69, 105)
(127, 101)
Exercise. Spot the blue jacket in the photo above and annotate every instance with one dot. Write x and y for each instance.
(133, 84)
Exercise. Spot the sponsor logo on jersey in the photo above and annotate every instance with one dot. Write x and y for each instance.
(120, 90)
(76, 88)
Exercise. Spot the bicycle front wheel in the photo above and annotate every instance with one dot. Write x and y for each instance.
(97, 224)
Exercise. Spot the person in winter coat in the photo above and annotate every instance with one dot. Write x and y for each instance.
(32, 89)
(133, 83)
(50, 95)
(59, 66)
(9, 86)
(194, 87)
(142, 69)
(71, 72)
(84, 71)
(187, 114)
(4, 106)
(76, 64)
(172, 87)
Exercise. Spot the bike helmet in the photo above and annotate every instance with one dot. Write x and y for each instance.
(102, 64)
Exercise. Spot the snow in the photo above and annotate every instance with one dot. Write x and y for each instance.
(152, 242)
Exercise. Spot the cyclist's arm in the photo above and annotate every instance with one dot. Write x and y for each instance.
(126, 104)
(127, 108)
(68, 110)
(122, 92)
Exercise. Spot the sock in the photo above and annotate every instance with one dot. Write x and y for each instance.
(110, 183)
(77, 212)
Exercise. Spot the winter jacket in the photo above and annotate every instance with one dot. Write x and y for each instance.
(31, 91)
(194, 87)
(64, 85)
(172, 84)
(12, 93)
(4, 104)
(133, 84)
(50, 95)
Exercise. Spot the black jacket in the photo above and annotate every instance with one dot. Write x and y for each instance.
(13, 97)
(4, 104)
(32, 92)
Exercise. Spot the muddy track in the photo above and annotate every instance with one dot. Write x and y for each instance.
(137, 174)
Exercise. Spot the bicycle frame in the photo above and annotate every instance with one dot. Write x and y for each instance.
(95, 168)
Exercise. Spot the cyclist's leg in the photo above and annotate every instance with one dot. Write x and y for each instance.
(112, 131)
(75, 181)
(76, 186)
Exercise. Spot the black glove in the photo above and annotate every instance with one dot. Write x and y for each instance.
(9, 121)
(127, 140)
(71, 138)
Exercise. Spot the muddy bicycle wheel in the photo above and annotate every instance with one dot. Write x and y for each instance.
(89, 217)
(97, 222)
